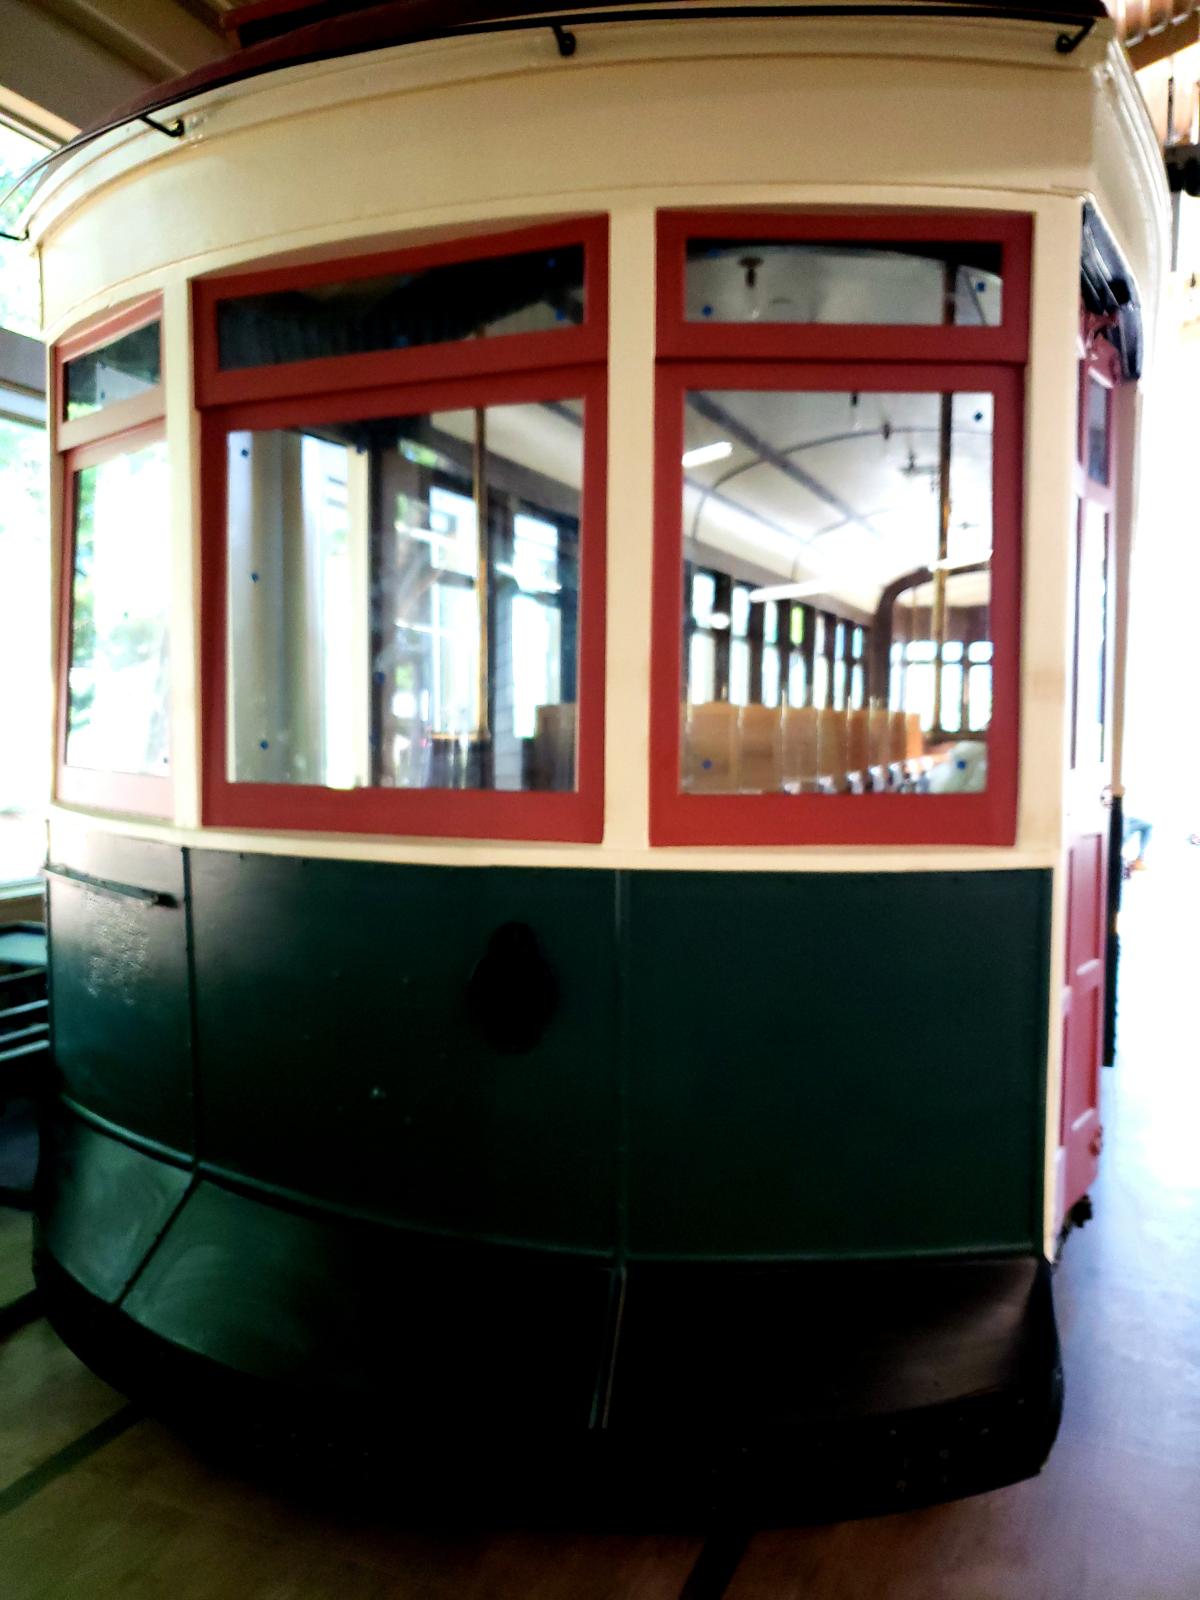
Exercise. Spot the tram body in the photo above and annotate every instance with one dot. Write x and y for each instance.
(591, 592)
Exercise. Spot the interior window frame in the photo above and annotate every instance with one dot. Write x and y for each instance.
(113, 431)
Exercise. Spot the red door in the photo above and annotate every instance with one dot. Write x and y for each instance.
(1088, 792)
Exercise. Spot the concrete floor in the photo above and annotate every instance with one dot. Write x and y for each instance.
(96, 1501)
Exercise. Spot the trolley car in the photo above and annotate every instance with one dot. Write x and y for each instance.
(591, 603)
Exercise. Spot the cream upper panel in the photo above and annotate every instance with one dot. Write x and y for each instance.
(442, 135)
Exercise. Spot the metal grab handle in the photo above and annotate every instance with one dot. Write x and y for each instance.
(121, 891)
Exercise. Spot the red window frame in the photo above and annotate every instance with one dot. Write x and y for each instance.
(122, 415)
(509, 369)
(864, 358)
(832, 341)
(571, 346)
(104, 435)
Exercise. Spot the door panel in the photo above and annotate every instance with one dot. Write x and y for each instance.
(1088, 792)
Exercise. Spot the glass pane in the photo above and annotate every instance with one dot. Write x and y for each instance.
(770, 677)
(1091, 636)
(363, 652)
(1097, 431)
(885, 530)
(527, 293)
(704, 594)
(24, 649)
(117, 719)
(739, 672)
(118, 371)
(774, 280)
(20, 283)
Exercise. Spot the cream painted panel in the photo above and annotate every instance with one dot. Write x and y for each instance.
(68, 823)
(559, 140)
(630, 527)
(1131, 194)
(1050, 450)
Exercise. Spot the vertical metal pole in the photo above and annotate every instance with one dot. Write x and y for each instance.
(938, 620)
(483, 680)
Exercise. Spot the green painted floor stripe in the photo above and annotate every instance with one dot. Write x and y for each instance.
(37, 1478)
(716, 1564)
(25, 1308)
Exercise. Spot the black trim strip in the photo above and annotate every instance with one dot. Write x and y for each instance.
(123, 891)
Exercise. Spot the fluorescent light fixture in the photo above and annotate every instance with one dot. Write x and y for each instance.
(796, 591)
(703, 454)
(719, 619)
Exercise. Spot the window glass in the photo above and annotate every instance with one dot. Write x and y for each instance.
(1097, 430)
(1091, 636)
(704, 594)
(885, 528)
(527, 293)
(117, 715)
(404, 600)
(776, 280)
(125, 367)
(20, 307)
(24, 649)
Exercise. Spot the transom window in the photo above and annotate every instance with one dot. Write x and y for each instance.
(838, 567)
(409, 573)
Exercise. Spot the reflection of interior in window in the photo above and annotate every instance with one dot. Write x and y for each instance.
(837, 555)
(117, 714)
(403, 600)
(1091, 637)
(123, 368)
(783, 280)
(1098, 397)
(534, 292)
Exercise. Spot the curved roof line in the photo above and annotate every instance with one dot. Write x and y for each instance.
(397, 22)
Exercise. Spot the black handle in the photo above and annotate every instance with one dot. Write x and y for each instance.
(512, 992)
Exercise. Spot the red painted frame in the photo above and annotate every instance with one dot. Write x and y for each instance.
(677, 818)
(781, 341)
(122, 415)
(838, 357)
(445, 813)
(570, 346)
(105, 790)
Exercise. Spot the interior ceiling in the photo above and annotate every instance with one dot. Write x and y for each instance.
(65, 64)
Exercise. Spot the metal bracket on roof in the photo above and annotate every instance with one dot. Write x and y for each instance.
(1067, 43)
(565, 40)
(173, 130)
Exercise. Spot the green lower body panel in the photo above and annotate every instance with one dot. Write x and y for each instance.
(710, 1167)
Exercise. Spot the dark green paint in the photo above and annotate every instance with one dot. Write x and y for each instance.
(312, 1303)
(119, 1002)
(102, 1204)
(337, 1058)
(834, 1064)
(748, 1065)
